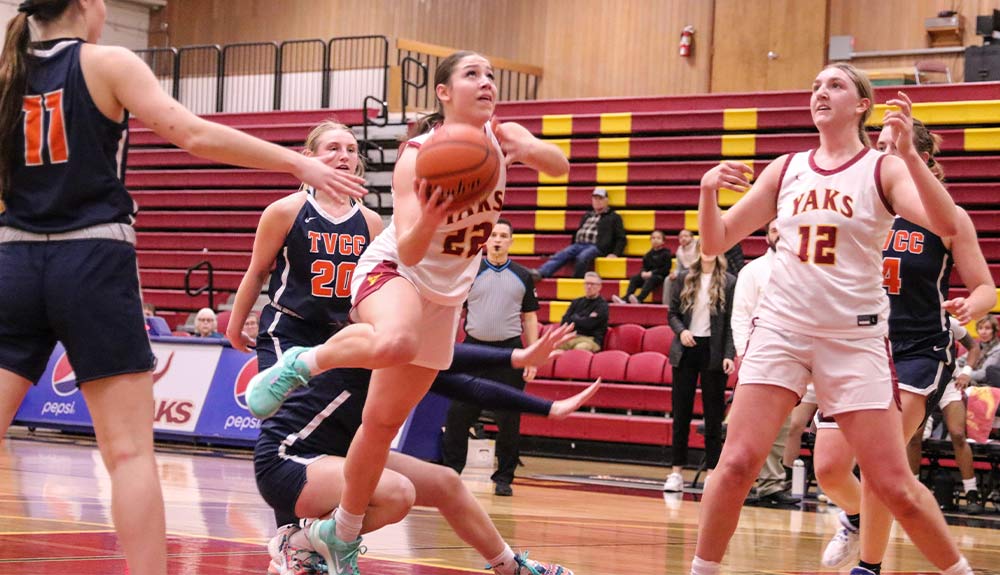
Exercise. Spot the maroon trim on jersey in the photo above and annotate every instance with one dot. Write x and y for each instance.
(878, 186)
(781, 178)
(895, 378)
(375, 279)
(840, 168)
(405, 145)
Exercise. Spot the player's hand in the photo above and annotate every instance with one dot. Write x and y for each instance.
(433, 209)
(562, 408)
(728, 174)
(900, 121)
(316, 172)
(962, 382)
(728, 366)
(687, 338)
(960, 308)
(239, 339)
(515, 140)
(544, 348)
(530, 373)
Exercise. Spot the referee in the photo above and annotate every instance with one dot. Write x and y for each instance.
(501, 301)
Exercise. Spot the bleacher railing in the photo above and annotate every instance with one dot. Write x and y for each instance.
(260, 76)
(515, 81)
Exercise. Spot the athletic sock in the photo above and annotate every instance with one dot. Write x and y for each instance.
(701, 567)
(504, 564)
(875, 568)
(308, 357)
(855, 520)
(970, 485)
(348, 525)
(960, 568)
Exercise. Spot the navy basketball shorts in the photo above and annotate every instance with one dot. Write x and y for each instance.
(280, 480)
(84, 293)
(280, 331)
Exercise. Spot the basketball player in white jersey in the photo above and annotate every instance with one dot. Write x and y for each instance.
(407, 292)
(824, 314)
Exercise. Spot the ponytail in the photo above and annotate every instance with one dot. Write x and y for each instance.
(13, 83)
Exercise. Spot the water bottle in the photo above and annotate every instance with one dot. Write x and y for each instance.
(798, 478)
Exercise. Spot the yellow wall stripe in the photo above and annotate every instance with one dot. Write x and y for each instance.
(638, 220)
(616, 123)
(544, 178)
(564, 144)
(729, 197)
(556, 310)
(636, 244)
(691, 220)
(739, 145)
(936, 113)
(613, 148)
(982, 139)
(739, 119)
(569, 288)
(611, 268)
(524, 245)
(550, 220)
(557, 124)
(617, 196)
(612, 172)
(551, 197)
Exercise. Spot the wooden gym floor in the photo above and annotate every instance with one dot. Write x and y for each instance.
(54, 518)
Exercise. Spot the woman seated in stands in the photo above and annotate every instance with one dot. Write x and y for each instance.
(700, 314)
(987, 369)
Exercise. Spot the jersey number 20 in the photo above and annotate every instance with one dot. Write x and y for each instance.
(35, 138)
(326, 272)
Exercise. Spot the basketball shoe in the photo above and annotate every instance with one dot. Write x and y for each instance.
(341, 558)
(268, 389)
(844, 546)
(525, 566)
(861, 571)
(289, 560)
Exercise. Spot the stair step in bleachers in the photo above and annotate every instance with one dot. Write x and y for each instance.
(186, 199)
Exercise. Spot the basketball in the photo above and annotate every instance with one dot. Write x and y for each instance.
(461, 160)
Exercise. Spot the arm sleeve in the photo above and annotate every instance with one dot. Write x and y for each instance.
(958, 330)
(470, 357)
(488, 393)
(530, 300)
(674, 317)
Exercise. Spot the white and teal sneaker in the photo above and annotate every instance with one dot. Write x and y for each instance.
(341, 558)
(527, 566)
(268, 389)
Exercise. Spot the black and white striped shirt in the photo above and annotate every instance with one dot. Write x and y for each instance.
(499, 295)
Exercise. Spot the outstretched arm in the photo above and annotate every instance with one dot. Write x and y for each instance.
(520, 145)
(720, 232)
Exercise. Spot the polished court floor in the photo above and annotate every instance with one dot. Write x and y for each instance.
(55, 518)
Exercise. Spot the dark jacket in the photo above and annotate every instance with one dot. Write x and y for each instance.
(658, 262)
(610, 232)
(721, 342)
(579, 314)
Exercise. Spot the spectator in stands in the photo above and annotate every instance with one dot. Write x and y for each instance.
(501, 310)
(601, 233)
(952, 404)
(823, 315)
(251, 326)
(750, 285)
(987, 369)
(206, 324)
(148, 309)
(66, 225)
(687, 253)
(701, 303)
(655, 267)
(590, 316)
(735, 260)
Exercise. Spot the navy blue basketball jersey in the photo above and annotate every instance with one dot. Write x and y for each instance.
(916, 267)
(312, 277)
(69, 157)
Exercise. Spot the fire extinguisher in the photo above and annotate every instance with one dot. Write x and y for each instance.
(687, 39)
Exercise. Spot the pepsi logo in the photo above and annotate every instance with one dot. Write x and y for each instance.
(243, 378)
(63, 378)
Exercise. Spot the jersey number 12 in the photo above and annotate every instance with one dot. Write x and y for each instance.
(35, 138)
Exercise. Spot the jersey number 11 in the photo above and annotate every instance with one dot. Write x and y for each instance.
(34, 129)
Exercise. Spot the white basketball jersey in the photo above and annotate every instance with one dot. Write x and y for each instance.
(827, 277)
(445, 274)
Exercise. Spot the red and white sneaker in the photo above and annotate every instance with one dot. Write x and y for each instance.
(289, 560)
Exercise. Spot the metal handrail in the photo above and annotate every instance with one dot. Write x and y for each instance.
(406, 83)
(209, 287)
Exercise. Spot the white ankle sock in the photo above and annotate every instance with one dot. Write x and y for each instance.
(348, 525)
(701, 567)
(969, 485)
(960, 568)
(300, 540)
(504, 564)
(309, 358)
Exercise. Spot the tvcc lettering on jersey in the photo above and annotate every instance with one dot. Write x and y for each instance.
(904, 241)
(343, 244)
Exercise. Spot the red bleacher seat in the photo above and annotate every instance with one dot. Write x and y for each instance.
(626, 337)
(180, 333)
(573, 364)
(658, 338)
(609, 365)
(223, 319)
(546, 369)
(646, 367)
